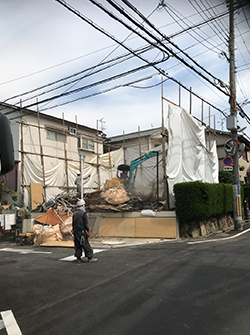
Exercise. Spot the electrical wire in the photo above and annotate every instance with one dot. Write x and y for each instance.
(91, 53)
(119, 86)
(108, 64)
(205, 16)
(159, 70)
(169, 50)
(112, 37)
(169, 9)
(120, 75)
(89, 69)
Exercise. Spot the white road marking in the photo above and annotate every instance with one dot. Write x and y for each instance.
(221, 239)
(72, 258)
(25, 251)
(10, 323)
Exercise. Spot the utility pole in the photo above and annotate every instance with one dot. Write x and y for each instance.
(166, 193)
(238, 225)
(82, 159)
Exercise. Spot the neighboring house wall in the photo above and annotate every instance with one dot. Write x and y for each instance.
(141, 142)
(221, 138)
(53, 142)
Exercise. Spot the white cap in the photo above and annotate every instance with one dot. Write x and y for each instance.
(78, 172)
(80, 202)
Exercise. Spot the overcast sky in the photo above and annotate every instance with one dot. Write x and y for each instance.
(43, 42)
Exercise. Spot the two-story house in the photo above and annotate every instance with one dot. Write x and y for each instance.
(46, 150)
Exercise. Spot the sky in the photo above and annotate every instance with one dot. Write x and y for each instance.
(43, 42)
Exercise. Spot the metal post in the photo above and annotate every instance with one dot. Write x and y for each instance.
(190, 105)
(209, 115)
(82, 159)
(238, 225)
(22, 155)
(202, 109)
(97, 156)
(41, 151)
(179, 95)
(166, 195)
(157, 177)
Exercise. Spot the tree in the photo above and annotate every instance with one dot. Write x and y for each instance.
(5, 190)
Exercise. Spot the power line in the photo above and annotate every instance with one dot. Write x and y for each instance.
(150, 64)
(113, 38)
(120, 75)
(119, 86)
(170, 9)
(169, 50)
(89, 69)
(117, 46)
(54, 66)
(88, 54)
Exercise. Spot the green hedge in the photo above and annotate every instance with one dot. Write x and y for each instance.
(196, 200)
(225, 177)
(246, 188)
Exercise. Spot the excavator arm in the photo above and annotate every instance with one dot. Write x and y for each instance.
(138, 161)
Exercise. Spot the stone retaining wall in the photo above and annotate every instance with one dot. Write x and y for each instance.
(207, 227)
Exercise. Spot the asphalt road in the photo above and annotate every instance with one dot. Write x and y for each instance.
(172, 288)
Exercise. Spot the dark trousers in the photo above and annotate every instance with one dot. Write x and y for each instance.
(88, 251)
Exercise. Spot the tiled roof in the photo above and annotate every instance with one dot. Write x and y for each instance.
(130, 136)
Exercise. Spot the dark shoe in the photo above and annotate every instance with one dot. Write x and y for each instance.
(79, 261)
(92, 259)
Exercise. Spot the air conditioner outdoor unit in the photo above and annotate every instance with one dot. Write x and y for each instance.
(72, 131)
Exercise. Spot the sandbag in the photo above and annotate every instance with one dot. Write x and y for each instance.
(45, 233)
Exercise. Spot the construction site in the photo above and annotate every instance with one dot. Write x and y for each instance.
(128, 192)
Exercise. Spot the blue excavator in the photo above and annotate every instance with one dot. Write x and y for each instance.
(127, 173)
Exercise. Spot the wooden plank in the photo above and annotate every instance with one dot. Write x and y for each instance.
(155, 227)
(118, 227)
(150, 227)
(36, 194)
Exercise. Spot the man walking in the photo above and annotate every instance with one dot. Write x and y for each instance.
(81, 233)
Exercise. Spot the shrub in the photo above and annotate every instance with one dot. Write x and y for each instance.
(5, 190)
(228, 198)
(246, 191)
(225, 177)
(196, 200)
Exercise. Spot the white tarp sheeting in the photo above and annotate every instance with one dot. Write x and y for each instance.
(145, 179)
(56, 177)
(188, 158)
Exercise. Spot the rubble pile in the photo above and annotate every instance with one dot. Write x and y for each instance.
(53, 225)
(52, 220)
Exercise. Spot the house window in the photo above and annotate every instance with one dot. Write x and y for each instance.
(55, 136)
(86, 144)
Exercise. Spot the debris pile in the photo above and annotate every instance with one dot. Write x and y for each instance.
(54, 222)
(53, 225)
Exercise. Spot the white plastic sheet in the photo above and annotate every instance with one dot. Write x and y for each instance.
(188, 158)
(145, 180)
